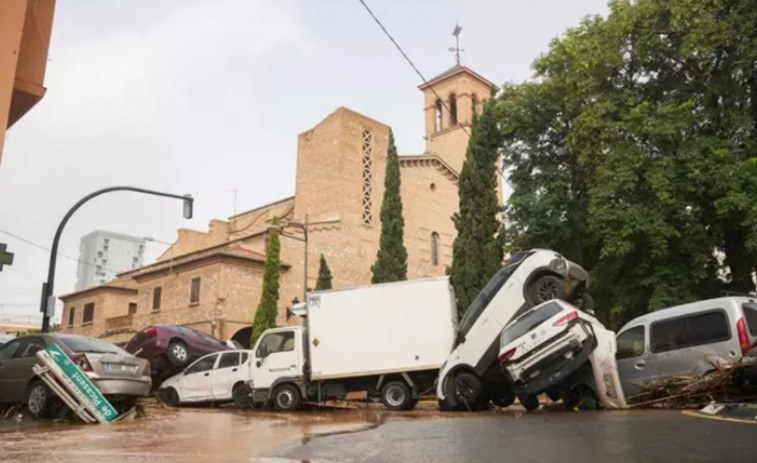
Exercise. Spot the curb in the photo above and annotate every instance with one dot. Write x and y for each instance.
(739, 413)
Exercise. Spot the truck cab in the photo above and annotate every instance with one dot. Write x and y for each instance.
(279, 363)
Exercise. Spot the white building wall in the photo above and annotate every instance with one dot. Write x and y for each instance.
(103, 255)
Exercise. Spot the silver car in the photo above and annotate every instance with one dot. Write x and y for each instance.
(686, 340)
(116, 373)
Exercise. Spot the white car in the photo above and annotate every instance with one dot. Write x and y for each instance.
(471, 376)
(217, 378)
(544, 346)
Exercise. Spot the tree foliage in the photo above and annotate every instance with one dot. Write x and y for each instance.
(633, 151)
(324, 275)
(265, 316)
(478, 248)
(391, 260)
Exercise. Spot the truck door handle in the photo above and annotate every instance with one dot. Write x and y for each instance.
(234, 369)
(206, 374)
(640, 364)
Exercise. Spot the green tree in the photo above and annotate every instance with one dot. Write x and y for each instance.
(478, 248)
(265, 316)
(391, 260)
(324, 275)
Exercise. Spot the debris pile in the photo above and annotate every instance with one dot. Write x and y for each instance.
(687, 392)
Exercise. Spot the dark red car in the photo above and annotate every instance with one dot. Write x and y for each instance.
(168, 348)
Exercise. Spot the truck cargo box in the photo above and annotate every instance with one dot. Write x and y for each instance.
(372, 330)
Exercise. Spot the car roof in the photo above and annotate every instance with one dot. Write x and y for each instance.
(683, 309)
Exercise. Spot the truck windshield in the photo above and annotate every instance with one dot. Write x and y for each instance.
(487, 294)
(529, 321)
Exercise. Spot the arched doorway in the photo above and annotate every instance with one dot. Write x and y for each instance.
(243, 337)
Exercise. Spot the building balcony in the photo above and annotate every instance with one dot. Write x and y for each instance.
(119, 323)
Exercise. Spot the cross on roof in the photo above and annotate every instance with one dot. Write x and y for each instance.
(6, 258)
(457, 48)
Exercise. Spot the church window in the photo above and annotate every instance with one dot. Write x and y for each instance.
(434, 249)
(453, 109)
(433, 186)
(367, 176)
(438, 116)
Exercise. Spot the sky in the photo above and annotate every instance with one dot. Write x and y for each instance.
(206, 97)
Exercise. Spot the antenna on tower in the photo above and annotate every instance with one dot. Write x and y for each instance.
(456, 49)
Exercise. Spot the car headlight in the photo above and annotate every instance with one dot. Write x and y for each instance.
(559, 266)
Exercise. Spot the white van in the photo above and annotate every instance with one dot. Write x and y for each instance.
(471, 376)
(686, 340)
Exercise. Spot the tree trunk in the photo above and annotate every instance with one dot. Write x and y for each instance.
(738, 260)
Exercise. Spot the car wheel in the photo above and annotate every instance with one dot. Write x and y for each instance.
(553, 395)
(178, 354)
(286, 398)
(169, 396)
(241, 396)
(546, 288)
(530, 402)
(580, 397)
(396, 396)
(39, 400)
(468, 390)
(504, 399)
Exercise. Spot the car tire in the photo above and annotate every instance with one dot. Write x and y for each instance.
(467, 390)
(530, 402)
(580, 397)
(169, 397)
(241, 396)
(546, 288)
(553, 395)
(39, 399)
(286, 398)
(177, 353)
(504, 400)
(396, 395)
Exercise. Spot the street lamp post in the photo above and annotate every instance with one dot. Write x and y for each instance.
(47, 304)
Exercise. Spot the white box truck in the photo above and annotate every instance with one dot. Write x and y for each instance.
(388, 340)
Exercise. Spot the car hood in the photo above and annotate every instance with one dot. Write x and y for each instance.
(172, 381)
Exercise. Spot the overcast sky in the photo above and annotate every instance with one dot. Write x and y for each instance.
(203, 97)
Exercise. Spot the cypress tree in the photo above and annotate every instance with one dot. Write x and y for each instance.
(324, 275)
(391, 260)
(265, 316)
(478, 248)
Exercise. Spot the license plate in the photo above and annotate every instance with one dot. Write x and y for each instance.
(119, 367)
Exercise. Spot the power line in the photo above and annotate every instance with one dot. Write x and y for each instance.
(24, 240)
(409, 61)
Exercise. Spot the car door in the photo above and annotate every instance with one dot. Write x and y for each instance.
(196, 385)
(6, 380)
(631, 359)
(282, 359)
(18, 369)
(226, 374)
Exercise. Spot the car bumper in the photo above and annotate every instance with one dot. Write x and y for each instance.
(123, 386)
(554, 369)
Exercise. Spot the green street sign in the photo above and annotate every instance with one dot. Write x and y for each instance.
(81, 383)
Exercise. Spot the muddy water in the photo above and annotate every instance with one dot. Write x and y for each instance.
(186, 435)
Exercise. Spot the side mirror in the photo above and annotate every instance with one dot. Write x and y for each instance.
(264, 351)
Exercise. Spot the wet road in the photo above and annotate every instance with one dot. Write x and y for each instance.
(209, 435)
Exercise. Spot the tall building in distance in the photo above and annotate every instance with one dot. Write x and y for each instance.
(103, 255)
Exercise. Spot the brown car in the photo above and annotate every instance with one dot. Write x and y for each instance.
(116, 373)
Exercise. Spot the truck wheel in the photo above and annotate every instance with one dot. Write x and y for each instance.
(39, 400)
(530, 402)
(286, 398)
(177, 354)
(468, 390)
(412, 404)
(396, 396)
(241, 396)
(546, 288)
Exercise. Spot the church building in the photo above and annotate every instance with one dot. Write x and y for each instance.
(212, 280)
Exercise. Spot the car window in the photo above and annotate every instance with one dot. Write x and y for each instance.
(204, 364)
(750, 313)
(8, 350)
(703, 328)
(277, 342)
(479, 304)
(29, 347)
(631, 343)
(90, 345)
(229, 359)
(529, 321)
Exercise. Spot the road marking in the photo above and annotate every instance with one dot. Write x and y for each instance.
(715, 417)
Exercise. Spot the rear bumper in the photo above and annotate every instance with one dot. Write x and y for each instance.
(554, 369)
(123, 386)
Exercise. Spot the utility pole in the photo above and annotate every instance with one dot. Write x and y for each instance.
(47, 304)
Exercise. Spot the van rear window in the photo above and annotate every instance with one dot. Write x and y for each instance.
(750, 313)
(694, 330)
